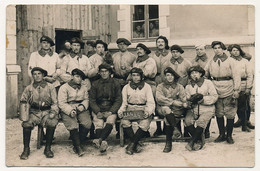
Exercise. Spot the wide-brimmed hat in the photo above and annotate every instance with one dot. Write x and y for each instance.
(43, 71)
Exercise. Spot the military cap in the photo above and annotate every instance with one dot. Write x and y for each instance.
(48, 39)
(91, 43)
(177, 47)
(165, 40)
(146, 49)
(170, 70)
(137, 70)
(43, 71)
(105, 66)
(77, 71)
(125, 41)
(214, 43)
(196, 68)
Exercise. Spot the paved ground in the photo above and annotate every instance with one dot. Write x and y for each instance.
(241, 154)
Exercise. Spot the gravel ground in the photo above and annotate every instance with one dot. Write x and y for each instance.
(241, 154)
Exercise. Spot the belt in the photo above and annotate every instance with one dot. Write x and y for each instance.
(41, 108)
(221, 78)
(243, 79)
(75, 101)
(137, 104)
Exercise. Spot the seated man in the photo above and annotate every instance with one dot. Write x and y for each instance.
(202, 95)
(105, 100)
(73, 103)
(171, 100)
(42, 98)
(137, 95)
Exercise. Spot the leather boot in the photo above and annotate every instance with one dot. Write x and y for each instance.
(128, 132)
(49, 137)
(249, 125)
(244, 127)
(83, 132)
(168, 144)
(194, 139)
(130, 148)
(26, 142)
(158, 131)
(92, 134)
(238, 123)
(230, 125)
(221, 137)
(105, 133)
(191, 129)
(76, 142)
(207, 132)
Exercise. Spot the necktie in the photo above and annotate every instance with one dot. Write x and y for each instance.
(218, 62)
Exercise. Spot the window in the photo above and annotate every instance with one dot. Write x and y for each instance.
(145, 21)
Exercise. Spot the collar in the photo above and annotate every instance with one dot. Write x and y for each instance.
(222, 58)
(43, 83)
(90, 53)
(179, 60)
(142, 58)
(72, 54)
(203, 58)
(74, 85)
(43, 52)
(139, 85)
(199, 82)
(163, 52)
(168, 85)
(239, 58)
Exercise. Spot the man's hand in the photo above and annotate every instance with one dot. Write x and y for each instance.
(73, 113)
(99, 115)
(80, 108)
(177, 103)
(248, 91)
(51, 115)
(107, 114)
(120, 115)
(235, 95)
(146, 114)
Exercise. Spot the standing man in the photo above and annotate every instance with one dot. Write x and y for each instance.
(47, 59)
(226, 79)
(160, 55)
(42, 98)
(202, 108)
(90, 48)
(243, 106)
(201, 59)
(74, 102)
(105, 100)
(137, 96)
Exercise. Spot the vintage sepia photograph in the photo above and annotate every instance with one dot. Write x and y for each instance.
(130, 85)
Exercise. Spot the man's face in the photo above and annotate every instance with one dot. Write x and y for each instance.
(195, 75)
(160, 44)
(77, 79)
(200, 50)
(140, 51)
(218, 50)
(176, 54)
(37, 76)
(67, 45)
(75, 47)
(136, 77)
(45, 45)
(100, 49)
(235, 52)
(90, 48)
(104, 73)
(169, 77)
(122, 46)
(138, 28)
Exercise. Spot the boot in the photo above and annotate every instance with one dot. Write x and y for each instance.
(207, 132)
(158, 131)
(221, 137)
(171, 119)
(194, 139)
(199, 142)
(117, 130)
(128, 132)
(83, 132)
(244, 127)
(230, 125)
(130, 148)
(92, 134)
(98, 140)
(49, 137)
(191, 129)
(249, 125)
(76, 142)
(26, 142)
(168, 144)
(105, 133)
(238, 123)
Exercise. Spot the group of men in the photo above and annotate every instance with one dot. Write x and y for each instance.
(99, 88)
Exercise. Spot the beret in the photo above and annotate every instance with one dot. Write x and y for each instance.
(91, 43)
(146, 49)
(77, 40)
(170, 70)
(77, 71)
(165, 40)
(230, 47)
(48, 39)
(105, 66)
(196, 68)
(214, 43)
(100, 42)
(177, 47)
(44, 72)
(125, 41)
(137, 70)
